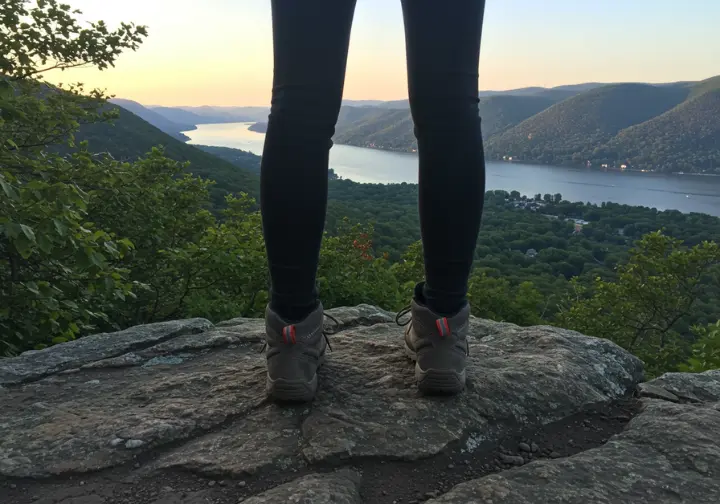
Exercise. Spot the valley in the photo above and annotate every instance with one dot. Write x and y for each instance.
(660, 128)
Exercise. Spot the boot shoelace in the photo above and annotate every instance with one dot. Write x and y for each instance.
(401, 314)
(407, 310)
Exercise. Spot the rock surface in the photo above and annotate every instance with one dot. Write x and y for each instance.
(188, 398)
(176, 384)
(36, 364)
(689, 387)
(335, 488)
(668, 453)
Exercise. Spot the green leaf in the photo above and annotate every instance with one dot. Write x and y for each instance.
(97, 259)
(110, 247)
(8, 189)
(83, 258)
(23, 246)
(44, 244)
(60, 227)
(29, 233)
(32, 287)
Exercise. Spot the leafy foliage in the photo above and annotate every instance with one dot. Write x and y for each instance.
(655, 289)
(56, 266)
(705, 352)
(45, 35)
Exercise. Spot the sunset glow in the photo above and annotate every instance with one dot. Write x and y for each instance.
(219, 52)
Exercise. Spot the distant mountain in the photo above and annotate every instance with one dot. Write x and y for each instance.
(213, 115)
(393, 128)
(362, 103)
(394, 104)
(390, 129)
(130, 137)
(566, 131)
(555, 94)
(685, 138)
(501, 112)
(172, 128)
(667, 128)
(177, 114)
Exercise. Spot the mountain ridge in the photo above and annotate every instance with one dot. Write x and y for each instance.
(590, 124)
(666, 128)
(172, 128)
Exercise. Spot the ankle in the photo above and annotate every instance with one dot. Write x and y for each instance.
(293, 313)
(446, 304)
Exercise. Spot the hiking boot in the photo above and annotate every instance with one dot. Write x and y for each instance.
(294, 353)
(439, 347)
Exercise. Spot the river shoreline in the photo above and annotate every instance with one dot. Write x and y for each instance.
(375, 166)
(261, 128)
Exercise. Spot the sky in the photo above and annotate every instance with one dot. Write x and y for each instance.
(219, 52)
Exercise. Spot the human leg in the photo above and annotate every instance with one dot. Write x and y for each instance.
(443, 50)
(311, 39)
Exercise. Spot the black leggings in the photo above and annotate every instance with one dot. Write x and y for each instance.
(311, 40)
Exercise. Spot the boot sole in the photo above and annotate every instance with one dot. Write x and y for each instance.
(437, 381)
(293, 390)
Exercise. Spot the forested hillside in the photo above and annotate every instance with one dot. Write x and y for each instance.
(392, 129)
(685, 138)
(128, 137)
(571, 129)
(664, 127)
(670, 128)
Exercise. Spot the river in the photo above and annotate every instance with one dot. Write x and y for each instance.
(664, 192)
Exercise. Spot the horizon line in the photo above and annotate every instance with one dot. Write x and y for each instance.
(479, 91)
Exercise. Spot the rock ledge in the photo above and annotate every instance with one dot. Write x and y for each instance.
(189, 396)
